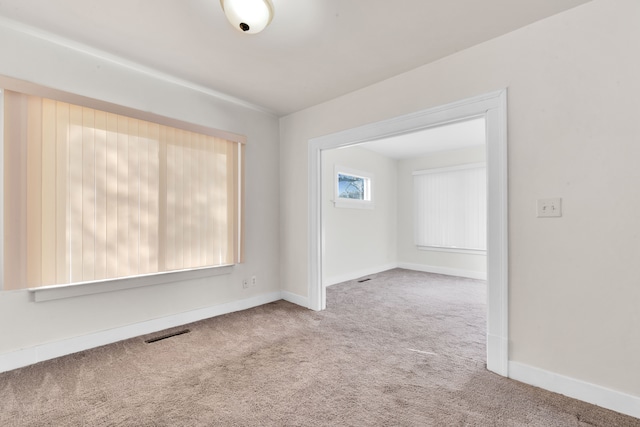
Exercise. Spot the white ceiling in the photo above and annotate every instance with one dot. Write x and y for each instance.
(452, 136)
(313, 51)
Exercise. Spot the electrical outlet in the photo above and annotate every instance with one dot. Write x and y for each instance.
(245, 283)
(253, 281)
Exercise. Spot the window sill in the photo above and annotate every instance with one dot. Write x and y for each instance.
(353, 204)
(453, 250)
(49, 293)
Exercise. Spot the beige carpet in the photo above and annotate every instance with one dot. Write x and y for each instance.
(403, 349)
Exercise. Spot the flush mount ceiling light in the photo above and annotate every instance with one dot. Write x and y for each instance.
(248, 16)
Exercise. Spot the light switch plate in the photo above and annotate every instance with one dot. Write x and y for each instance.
(548, 208)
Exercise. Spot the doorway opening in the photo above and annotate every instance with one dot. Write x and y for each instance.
(415, 201)
(492, 107)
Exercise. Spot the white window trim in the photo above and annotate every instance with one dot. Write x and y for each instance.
(339, 202)
(452, 250)
(464, 166)
(55, 292)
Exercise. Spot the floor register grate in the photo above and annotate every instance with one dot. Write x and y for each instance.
(164, 337)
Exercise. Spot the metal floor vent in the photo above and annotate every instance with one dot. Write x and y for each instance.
(364, 280)
(164, 337)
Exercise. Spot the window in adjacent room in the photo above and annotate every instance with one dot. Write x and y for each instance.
(91, 195)
(451, 208)
(353, 188)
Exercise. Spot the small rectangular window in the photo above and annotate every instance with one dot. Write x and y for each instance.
(353, 188)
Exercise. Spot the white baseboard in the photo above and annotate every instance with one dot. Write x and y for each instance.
(577, 389)
(330, 281)
(444, 270)
(39, 353)
(295, 299)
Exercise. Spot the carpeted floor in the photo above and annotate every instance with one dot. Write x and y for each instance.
(403, 349)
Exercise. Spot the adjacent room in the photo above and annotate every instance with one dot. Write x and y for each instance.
(386, 224)
(194, 198)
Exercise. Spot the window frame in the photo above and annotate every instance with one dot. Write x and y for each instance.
(451, 249)
(53, 292)
(344, 202)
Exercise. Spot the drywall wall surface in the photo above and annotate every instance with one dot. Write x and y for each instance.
(573, 102)
(408, 253)
(23, 323)
(358, 240)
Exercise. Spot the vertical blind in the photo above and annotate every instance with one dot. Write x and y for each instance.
(451, 207)
(92, 195)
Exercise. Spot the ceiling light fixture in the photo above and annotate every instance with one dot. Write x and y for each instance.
(248, 16)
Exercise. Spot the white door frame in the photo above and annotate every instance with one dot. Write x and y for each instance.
(493, 106)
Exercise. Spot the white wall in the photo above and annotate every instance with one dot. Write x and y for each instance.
(409, 256)
(574, 97)
(25, 324)
(358, 242)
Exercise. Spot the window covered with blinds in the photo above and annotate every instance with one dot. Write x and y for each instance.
(451, 208)
(91, 195)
